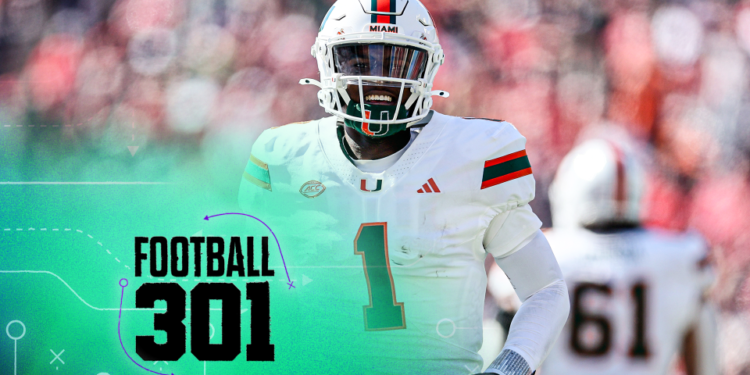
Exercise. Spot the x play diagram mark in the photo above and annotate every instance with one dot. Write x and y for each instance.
(470, 370)
(57, 356)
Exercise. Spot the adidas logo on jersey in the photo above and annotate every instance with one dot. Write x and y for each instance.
(429, 187)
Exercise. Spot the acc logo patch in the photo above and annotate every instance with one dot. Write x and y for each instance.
(312, 189)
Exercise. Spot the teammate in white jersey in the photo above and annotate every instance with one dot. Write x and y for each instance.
(391, 208)
(637, 295)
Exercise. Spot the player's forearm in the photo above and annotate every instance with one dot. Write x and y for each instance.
(534, 330)
(534, 272)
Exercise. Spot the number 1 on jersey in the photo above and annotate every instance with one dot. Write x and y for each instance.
(383, 313)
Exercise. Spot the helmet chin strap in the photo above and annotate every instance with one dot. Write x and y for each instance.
(344, 95)
(341, 88)
(416, 92)
(412, 99)
(347, 99)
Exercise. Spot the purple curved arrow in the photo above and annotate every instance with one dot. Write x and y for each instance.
(290, 283)
(119, 318)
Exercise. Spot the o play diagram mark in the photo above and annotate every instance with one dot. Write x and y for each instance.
(15, 342)
(437, 328)
(23, 333)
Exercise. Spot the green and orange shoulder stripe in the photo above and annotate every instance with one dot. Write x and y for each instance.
(257, 173)
(505, 168)
(503, 139)
(274, 146)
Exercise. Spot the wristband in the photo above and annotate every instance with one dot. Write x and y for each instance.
(510, 363)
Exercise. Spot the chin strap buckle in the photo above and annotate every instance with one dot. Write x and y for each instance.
(310, 82)
(341, 89)
(415, 93)
(440, 93)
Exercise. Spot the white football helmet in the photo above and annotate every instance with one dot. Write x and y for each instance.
(599, 183)
(400, 38)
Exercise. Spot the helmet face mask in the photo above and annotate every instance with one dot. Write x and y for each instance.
(386, 51)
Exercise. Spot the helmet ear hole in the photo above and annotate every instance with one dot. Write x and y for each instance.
(323, 99)
(329, 99)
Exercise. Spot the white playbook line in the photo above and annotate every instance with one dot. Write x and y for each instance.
(66, 284)
(85, 183)
(82, 300)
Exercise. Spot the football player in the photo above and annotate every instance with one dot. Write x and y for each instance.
(637, 295)
(391, 208)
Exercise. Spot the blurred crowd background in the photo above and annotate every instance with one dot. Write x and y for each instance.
(134, 88)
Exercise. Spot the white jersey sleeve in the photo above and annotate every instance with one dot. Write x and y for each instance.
(268, 167)
(509, 230)
(506, 179)
(496, 173)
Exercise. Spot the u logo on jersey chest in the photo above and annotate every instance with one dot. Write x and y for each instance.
(365, 186)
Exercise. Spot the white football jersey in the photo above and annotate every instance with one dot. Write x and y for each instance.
(394, 260)
(634, 294)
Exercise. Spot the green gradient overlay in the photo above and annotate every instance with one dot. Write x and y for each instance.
(84, 234)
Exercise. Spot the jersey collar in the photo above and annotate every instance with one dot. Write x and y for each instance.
(339, 160)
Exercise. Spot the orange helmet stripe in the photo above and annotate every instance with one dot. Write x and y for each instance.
(384, 6)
